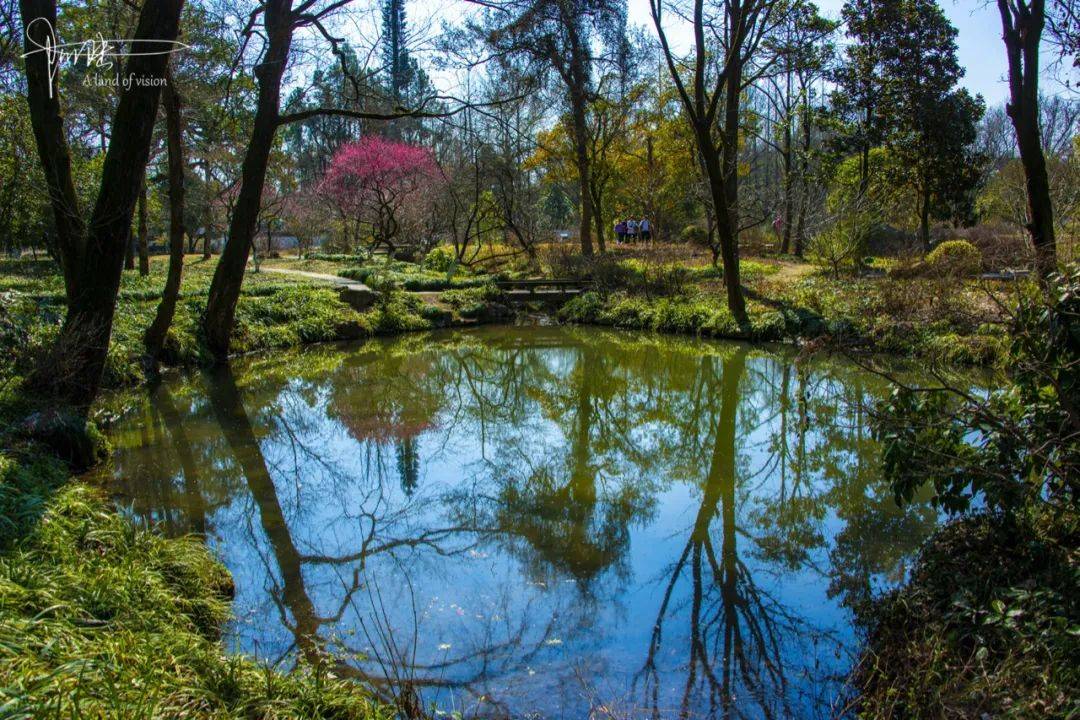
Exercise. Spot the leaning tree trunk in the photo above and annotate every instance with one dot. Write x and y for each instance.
(1022, 32)
(229, 274)
(92, 257)
(174, 137)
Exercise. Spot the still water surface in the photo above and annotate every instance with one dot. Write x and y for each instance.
(538, 522)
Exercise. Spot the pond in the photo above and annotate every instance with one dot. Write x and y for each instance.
(537, 522)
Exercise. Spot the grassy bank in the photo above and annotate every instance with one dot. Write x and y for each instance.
(100, 617)
(274, 311)
(987, 626)
(941, 317)
(907, 318)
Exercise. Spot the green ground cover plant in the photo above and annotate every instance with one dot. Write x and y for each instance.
(417, 277)
(936, 319)
(101, 617)
(275, 311)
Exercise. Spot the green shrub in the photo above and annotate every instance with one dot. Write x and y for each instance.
(585, 308)
(695, 235)
(337, 257)
(410, 276)
(954, 258)
(841, 246)
(986, 626)
(441, 259)
(397, 312)
(471, 302)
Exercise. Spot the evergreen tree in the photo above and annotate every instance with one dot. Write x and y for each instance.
(407, 84)
(396, 60)
(931, 126)
(859, 80)
(897, 88)
(312, 142)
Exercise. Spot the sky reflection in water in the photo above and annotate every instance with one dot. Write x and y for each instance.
(538, 522)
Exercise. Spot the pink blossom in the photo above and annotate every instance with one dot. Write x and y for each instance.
(375, 165)
(382, 184)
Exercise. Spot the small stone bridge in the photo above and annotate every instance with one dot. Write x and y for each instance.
(526, 291)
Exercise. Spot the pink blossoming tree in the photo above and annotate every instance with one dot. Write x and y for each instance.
(383, 190)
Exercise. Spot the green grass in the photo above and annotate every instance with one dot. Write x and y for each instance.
(946, 321)
(42, 280)
(274, 311)
(414, 277)
(100, 617)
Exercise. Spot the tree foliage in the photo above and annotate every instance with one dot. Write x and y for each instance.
(384, 187)
(1013, 446)
(898, 88)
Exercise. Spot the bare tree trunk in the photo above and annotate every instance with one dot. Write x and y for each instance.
(144, 231)
(924, 218)
(208, 219)
(581, 158)
(159, 328)
(229, 274)
(699, 105)
(727, 194)
(1022, 24)
(864, 158)
(598, 217)
(804, 177)
(577, 78)
(92, 256)
(789, 179)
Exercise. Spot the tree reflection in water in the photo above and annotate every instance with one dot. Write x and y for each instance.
(538, 520)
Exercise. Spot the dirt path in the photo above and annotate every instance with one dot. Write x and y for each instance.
(431, 298)
(791, 272)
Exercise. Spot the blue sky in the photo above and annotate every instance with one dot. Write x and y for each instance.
(980, 48)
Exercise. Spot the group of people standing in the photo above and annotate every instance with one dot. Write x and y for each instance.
(632, 230)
